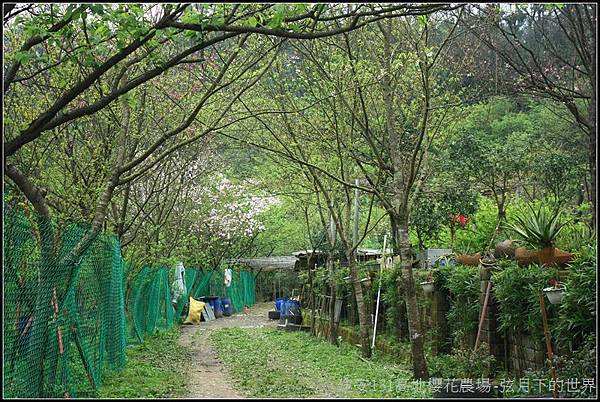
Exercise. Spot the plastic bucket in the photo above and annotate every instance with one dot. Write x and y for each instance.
(227, 307)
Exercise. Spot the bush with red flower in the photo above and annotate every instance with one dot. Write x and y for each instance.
(460, 219)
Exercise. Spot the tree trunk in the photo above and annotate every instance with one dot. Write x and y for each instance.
(363, 317)
(401, 322)
(592, 156)
(592, 121)
(414, 322)
(332, 328)
(394, 227)
(353, 312)
(501, 213)
(70, 260)
(48, 273)
(311, 295)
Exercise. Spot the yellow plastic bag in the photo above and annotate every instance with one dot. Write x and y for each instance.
(196, 308)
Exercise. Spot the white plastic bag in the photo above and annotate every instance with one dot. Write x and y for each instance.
(178, 285)
(227, 277)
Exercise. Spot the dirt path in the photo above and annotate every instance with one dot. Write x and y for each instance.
(208, 377)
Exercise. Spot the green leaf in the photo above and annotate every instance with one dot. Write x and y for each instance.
(69, 11)
(252, 21)
(102, 30)
(276, 21)
(130, 101)
(23, 56)
(301, 8)
(136, 9)
(97, 8)
(217, 20)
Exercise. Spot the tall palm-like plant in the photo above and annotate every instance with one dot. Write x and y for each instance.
(537, 228)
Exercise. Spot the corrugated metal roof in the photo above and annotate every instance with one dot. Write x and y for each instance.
(268, 263)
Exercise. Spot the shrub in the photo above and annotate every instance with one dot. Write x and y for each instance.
(463, 363)
(516, 289)
(463, 285)
(576, 237)
(580, 365)
(391, 282)
(476, 236)
(577, 311)
(538, 227)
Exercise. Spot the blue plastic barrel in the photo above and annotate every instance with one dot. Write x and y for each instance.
(291, 306)
(218, 308)
(280, 304)
(227, 308)
(291, 312)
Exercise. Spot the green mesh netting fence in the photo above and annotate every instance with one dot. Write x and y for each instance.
(210, 283)
(150, 306)
(65, 324)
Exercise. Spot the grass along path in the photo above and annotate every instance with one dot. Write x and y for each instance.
(266, 362)
(156, 368)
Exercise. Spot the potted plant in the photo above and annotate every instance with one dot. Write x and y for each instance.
(505, 249)
(468, 259)
(464, 256)
(428, 284)
(555, 291)
(539, 229)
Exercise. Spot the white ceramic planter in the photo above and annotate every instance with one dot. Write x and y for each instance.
(427, 287)
(554, 294)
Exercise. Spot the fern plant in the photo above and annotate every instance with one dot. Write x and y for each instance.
(537, 228)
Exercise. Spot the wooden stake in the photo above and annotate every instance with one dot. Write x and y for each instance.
(483, 313)
(60, 343)
(548, 344)
(83, 357)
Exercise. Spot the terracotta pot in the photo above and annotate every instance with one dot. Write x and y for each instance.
(467, 259)
(525, 257)
(562, 257)
(546, 255)
(552, 256)
(549, 256)
(505, 249)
